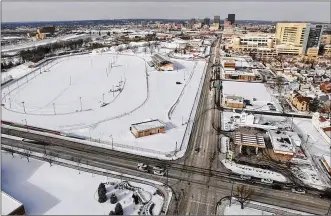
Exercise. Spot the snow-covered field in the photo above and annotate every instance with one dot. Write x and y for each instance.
(250, 91)
(68, 97)
(58, 190)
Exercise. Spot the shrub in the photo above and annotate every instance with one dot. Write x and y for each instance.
(113, 198)
(118, 209)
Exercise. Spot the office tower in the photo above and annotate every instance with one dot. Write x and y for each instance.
(231, 18)
(217, 19)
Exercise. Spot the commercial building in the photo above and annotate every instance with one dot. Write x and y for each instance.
(298, 38)
(282, 145)
(147, 128)
(291, 38)
(249, 141)
(300, 102)
(206, 21)
(11, 206)
(162, 63)
(326, 39)
(234, 101)
(231, 18)
(314, 39)
(217, 19)
(249, 42)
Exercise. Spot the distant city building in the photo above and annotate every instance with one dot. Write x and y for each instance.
(326, 39)
(291, 38)
(217, 19)
(231, 18)
(206, 21)
(314, 39)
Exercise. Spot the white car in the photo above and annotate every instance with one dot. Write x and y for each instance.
(142, 167)
(268, 181)
(159, 172)
(298, 190)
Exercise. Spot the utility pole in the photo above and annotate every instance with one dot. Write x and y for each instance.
(112, 142)
(81, 106)
(106, 72)
(26, 125)
(23, 106)
(231, 192)
(54, 108)
(103, 97)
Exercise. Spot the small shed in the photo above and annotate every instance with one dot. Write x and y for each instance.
(147, 128)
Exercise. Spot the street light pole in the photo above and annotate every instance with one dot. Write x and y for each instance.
(103, 97)
(231, 192)
(23, 106)
(54, 108)
(81, 106)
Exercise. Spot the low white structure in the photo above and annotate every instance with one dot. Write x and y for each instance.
(11, 206)
(253, 171)
(281, 143)
(323, 126)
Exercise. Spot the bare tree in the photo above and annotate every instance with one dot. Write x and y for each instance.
(243, 194)
(27, 154)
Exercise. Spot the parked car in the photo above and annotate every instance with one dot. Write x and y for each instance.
(268, 181)
(245, 177)
(142, 167)
(158, 170)
(298, 190)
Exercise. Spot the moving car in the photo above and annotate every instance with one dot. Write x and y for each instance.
(142, 167)
(157, 170)
(298, 190)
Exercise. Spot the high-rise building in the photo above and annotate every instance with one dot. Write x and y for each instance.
(217, 19)
(206, 21)
(298, 38)
(291, 38)
(314, 39)
(231, 18)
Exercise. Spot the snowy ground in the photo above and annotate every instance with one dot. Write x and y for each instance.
(46, 41)
(249, 91)
(58, 190)
(257, 208)
(50, 101)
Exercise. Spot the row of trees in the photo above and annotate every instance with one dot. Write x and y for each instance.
(113, 199)
(40, 52)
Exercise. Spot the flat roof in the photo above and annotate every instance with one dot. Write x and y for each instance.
(281, 142)
(249, 140)
(9, 204)
(146, 125)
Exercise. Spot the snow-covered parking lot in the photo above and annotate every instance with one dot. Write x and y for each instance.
(57, 190)
(99, 96)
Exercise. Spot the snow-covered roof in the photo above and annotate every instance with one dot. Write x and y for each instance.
(281, 142)
(249, 139)
(253, 171)
(9, 204)
(327, 159)
(142, 126)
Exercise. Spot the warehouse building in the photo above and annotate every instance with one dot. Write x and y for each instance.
(147, 128)
(162, 63)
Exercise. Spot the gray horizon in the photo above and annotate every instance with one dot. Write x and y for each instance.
(63, 11)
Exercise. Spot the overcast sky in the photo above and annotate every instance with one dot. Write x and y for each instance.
(263, 10)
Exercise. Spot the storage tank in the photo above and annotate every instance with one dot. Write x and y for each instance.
(225, 141)
(270, 43)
